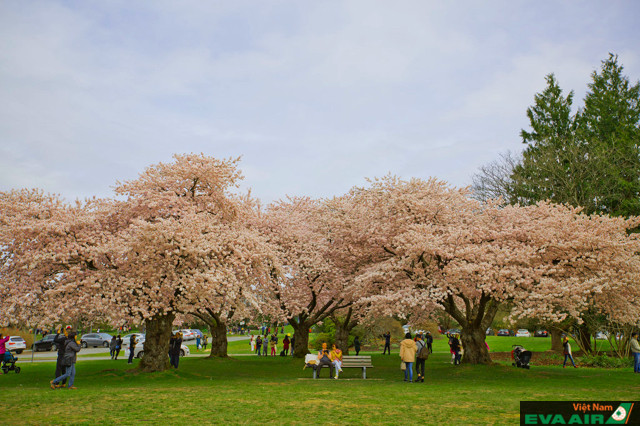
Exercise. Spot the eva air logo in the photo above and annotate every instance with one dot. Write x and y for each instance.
(621, 415)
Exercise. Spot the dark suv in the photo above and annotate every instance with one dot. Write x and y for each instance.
(45, 344)
(504, 332)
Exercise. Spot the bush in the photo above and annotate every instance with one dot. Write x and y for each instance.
(605, 361)
(320, 338)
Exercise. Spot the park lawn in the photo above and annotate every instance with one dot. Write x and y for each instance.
(235, 390)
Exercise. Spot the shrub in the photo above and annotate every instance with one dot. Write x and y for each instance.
(605, 361)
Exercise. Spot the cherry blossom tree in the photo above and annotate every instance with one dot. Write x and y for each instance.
(175, 239)
(306, 285)
(445, 250)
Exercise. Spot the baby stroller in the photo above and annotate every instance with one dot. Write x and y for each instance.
(9, 363)
(521, 357)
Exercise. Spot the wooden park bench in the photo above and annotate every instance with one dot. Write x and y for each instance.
(348, 361)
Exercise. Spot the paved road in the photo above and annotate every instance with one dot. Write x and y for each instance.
(50, 355)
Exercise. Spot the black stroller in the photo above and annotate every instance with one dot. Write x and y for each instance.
(9, 363)
(521, 357)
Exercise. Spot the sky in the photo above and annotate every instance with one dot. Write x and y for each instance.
(314, 96)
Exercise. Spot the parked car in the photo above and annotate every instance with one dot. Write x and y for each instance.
(489, 332)
(127, 338)
(503, 332)
(187, 334)
(522, 332)
(453, 331)
(197, 332)
(16, 344)
(95, 340)
(541, 333)
(138, 352)
(45, 344)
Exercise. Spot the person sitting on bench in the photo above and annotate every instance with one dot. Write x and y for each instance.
(324, 358)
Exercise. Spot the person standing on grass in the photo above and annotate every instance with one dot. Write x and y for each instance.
(4, 354)
(132, 344)
(422, 353)
(204, 342)
(429, 342)
(253, 344)
(174, 349)
(60, 341)
(408, 356)
(71, 349)
(456, 348)
(258, 344)
(285, 345)
(567, 353)
(336, 358)
(272, 345)
(635, 350)
(198, 341)
(356, 345)
(387, 342)
(112, 347)
(293, 342)
(265, 345)
(118, 346)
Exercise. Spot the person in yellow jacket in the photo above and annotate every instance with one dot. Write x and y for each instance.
(408, 350)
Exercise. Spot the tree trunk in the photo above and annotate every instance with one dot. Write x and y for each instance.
(556, 339)
(583, 338)
(475, 349)
(301, 335)
(218, 339)
(156, 344)
(342, 337)
(343, 329)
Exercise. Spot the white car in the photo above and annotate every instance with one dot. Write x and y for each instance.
(138, 352)
(523, 333)
(127, 338)
(16, 344)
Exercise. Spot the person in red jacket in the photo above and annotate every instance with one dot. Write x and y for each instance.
(285, 345)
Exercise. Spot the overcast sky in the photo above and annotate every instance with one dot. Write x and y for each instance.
(315, 96)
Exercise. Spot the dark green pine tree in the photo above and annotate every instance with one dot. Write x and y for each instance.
(589, 159)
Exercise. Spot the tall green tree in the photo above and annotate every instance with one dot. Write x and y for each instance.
(590, 158)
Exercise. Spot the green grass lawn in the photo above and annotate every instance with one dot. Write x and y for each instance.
(238, 390)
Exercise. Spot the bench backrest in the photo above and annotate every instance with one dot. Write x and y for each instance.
(356, 361)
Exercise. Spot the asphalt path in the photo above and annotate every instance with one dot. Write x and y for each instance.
(50, 356)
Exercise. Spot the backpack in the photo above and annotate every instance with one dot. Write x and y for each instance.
(423, 353)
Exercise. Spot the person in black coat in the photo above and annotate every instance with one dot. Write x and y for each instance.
(118, 346)
(356, 345)
(429, 340)
(174, 349)
(60, 340)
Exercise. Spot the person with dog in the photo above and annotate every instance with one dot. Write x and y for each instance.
(71, 349)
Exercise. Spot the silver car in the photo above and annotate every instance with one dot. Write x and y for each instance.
(95, 340)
